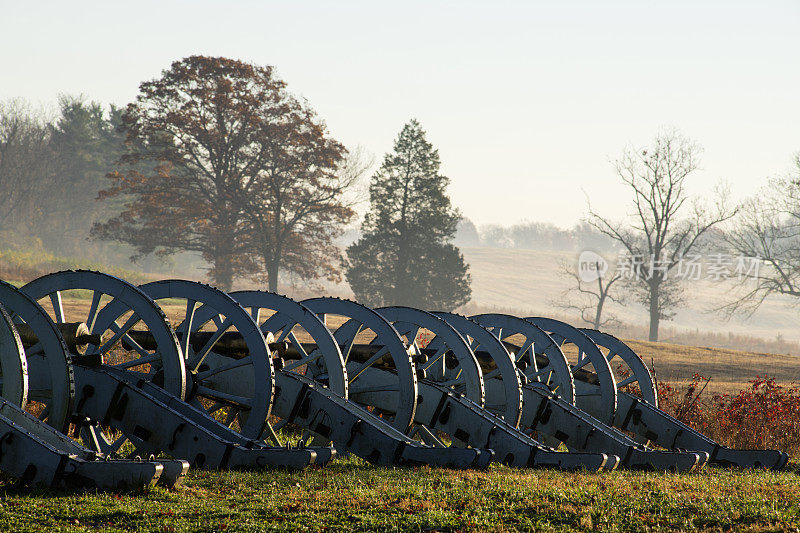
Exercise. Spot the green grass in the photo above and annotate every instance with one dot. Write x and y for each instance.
(349, 495)
(30, 264)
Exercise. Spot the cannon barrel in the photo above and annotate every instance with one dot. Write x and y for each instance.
(231, 344)
(76, 335)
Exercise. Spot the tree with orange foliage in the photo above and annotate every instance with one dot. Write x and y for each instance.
(223, 161)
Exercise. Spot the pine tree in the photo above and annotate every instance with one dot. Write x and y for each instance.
(405, 255)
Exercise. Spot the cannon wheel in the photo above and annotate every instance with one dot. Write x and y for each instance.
(598, 400)
(635, 376)
(285, 319)
(51, 382)
(236, 390)
(531, 341)
(499, 372)
(452, 362)
(362, 321)
(116, 308)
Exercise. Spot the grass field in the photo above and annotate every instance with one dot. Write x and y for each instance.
(349, 495)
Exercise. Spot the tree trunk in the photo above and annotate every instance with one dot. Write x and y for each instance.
(599, 312)
(224, 274)
(272, 275)
(655, 314)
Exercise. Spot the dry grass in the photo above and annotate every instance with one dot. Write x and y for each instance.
(729, 370)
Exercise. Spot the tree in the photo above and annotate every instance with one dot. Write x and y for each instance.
(86, 143)
(298, 211)
(766, 236)
(217, 150)
(590, 291)
(27, 164)
(660, 233)
(405, 255)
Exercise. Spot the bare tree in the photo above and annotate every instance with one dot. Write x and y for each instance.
(27, 164)
(768, 232)
(664, 226)
(589, 298)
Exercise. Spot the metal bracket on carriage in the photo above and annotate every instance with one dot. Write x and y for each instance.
(641, 416)
(451, 394)
(35, 452)
(155, 421)
(356, 430)
(551, 415)
(316, 399)
(169, 424)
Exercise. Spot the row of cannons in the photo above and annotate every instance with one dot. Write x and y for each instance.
(99, 389)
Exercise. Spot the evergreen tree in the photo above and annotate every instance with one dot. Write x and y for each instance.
(405, 255)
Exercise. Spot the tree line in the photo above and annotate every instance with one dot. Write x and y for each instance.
(533, 236)
(218, 158)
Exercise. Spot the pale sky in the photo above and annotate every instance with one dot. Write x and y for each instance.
(527, 102)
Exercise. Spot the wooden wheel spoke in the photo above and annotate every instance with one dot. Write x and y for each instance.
(436, 356)
(58, 307)
(224, 397)
(542, 371)
(524, 348)
(374, 388)
(186, 326)
(581, 363)
(92, 316)
(350, 343)
(315, 355)
(144, 360)
(119, 332)
(136, 346)
(284, 327)
(224, 368)
(369, 362)
(626, 381)
(198, 357)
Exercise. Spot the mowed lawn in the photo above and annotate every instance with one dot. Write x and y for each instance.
(350, 495)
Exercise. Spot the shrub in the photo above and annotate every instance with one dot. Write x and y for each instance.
(764, 415)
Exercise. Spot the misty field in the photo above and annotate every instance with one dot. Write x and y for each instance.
(350, 495)
(729, 370)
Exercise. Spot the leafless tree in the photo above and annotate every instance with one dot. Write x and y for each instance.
(27, 165)
(589, 298)
(665, 225)
(768, 228)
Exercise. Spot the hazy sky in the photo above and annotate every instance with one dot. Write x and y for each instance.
(527, 102)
